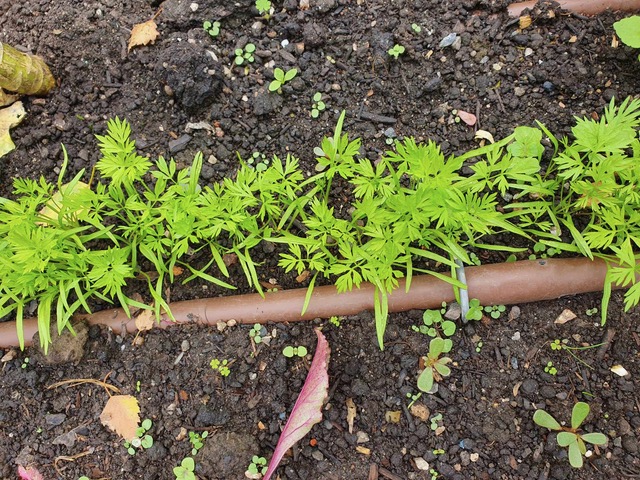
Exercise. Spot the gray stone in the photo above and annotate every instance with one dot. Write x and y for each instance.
(179, 143)
(265, 102)
(529, 386)
(224, 455)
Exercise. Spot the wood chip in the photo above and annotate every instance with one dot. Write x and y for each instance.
(566, 316)
(351, 413)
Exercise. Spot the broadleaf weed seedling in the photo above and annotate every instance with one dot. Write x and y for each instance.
(263, 7)
(222, 366)
(290, 351)
(435, 368)
(257, 332)
(557, 344)
(318, 105)
(436, 421)
(245, 55)
(335, 321)
(257, 465)
(569, 436)
(414, 397)
(550, 369)
(475, 310)
(212, 28)
(495, 311)
(416, 28)
(396, 51)
(434, 325)
(197, 441)
(186, 469)
(627, 29)
(143, 439)
(479, 346)
(259, 161)
(280, 77)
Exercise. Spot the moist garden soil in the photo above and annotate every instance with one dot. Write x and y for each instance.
(560, 66)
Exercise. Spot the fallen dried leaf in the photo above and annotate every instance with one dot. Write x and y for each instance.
(363, 450)
(524, 22)
(145, 320)
(177, 271)
(120, 414)
(303, 276)
(10, 355)
(484, 135)
(468, 118)
(516, 388)
(566, 316)
(9, 118)
(143, 34)
(29, 473)
(351, 413)
(619, 370)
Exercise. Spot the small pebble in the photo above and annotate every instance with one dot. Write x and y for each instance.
(184, 346)
(448, 40)
(516, 337)
(421, 463)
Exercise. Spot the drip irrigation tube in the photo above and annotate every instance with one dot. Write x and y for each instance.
(495, 284)
(584, 7)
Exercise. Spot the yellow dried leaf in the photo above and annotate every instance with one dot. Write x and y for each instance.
(51, 210)
(9, 118)
(484, 135)
(351, 413)
(6, 98)
(363, 450)
(564, 317)
(145, 320)
(524, 22)
(120, 414)
(143, 34)
(392, 416)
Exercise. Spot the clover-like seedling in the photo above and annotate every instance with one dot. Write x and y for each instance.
(540, 250)
(281, 77)
(569, 436)
(185, 470)
(396, 51)
(245, 54)
(222, 366)
(197, 441)
(475, 310)
(435, 368)
(290, 351)
(550, 369)
(436, 421)
(335, 321)
(318, 105)
(434, 325)
(256, 333)
(257, 465)
(258, 161)
(263, 7)
(212, 28)
(495, 310)
(479, 346)
(559, 345)
(142, 440)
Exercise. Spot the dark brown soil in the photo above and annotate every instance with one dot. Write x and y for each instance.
(559, 67)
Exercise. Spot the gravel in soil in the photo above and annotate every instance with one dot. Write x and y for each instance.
(563, 65)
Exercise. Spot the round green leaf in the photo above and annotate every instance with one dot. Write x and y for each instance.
(595, 438)
(239, 60)
(147, 441)
(575, 457)
(250, 48)
(578, 414)
(302, 351)
(436, 347)
(542, 418)
(628, 29)
(278, 74)
(448, 328)
(566, 438)
(290, 74)
(425, 380)
(274, 85)
(317, 97)
(288, 351)
(315, 113)
(188, 463)
(146, 424)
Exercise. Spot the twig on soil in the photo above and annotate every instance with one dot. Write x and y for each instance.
(412, 425)
(70, 458)
(74, 382)
(606, 343)
(373, 472)
(364, 115)
(387, 474)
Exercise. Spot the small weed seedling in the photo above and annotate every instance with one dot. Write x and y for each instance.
(335, 321)
(318, 105)
(550, 369)
(557, 344)
(435, 368)
(258, 465)
(290, 351)
(569, 437)
(222, 366)
(414, 398)
(436, 422)
(475, 310)
(396, 51)
(256, 333)
(263, 7)
(627, 29)
(245, 54)
(143, 440)
(479, 346)
(434, 473)
(416, 28)
(197, 441)
(212, 29)
(495, 311)
(436, 326)
(25, 363)
(591, 311)
(258, 161)
(185, 470)
(280, 78)
(438, 451)
(540, 250)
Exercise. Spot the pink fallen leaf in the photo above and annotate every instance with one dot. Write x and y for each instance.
(307, 410)
(468, 118)
(29, 473)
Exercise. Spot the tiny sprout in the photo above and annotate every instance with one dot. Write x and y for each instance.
(245, 55)
(475, 310)
(550, 369)
(416, 28)
(281, 77)
(257, 465)
(335, 321)
(396, 51)
(436, 421)
(290, 351)
(438, 451)
(263, 6)
(185, 470)
(25, 362)
(221, 366)
(318, 105)
(197, 441)
(591, 311)
(558, 345)
(414, 398)
(212, 29)
(495, 311)
(479, 346)
(255, 333)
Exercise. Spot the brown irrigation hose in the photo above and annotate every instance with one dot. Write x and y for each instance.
(584, 7)
(497, 284)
